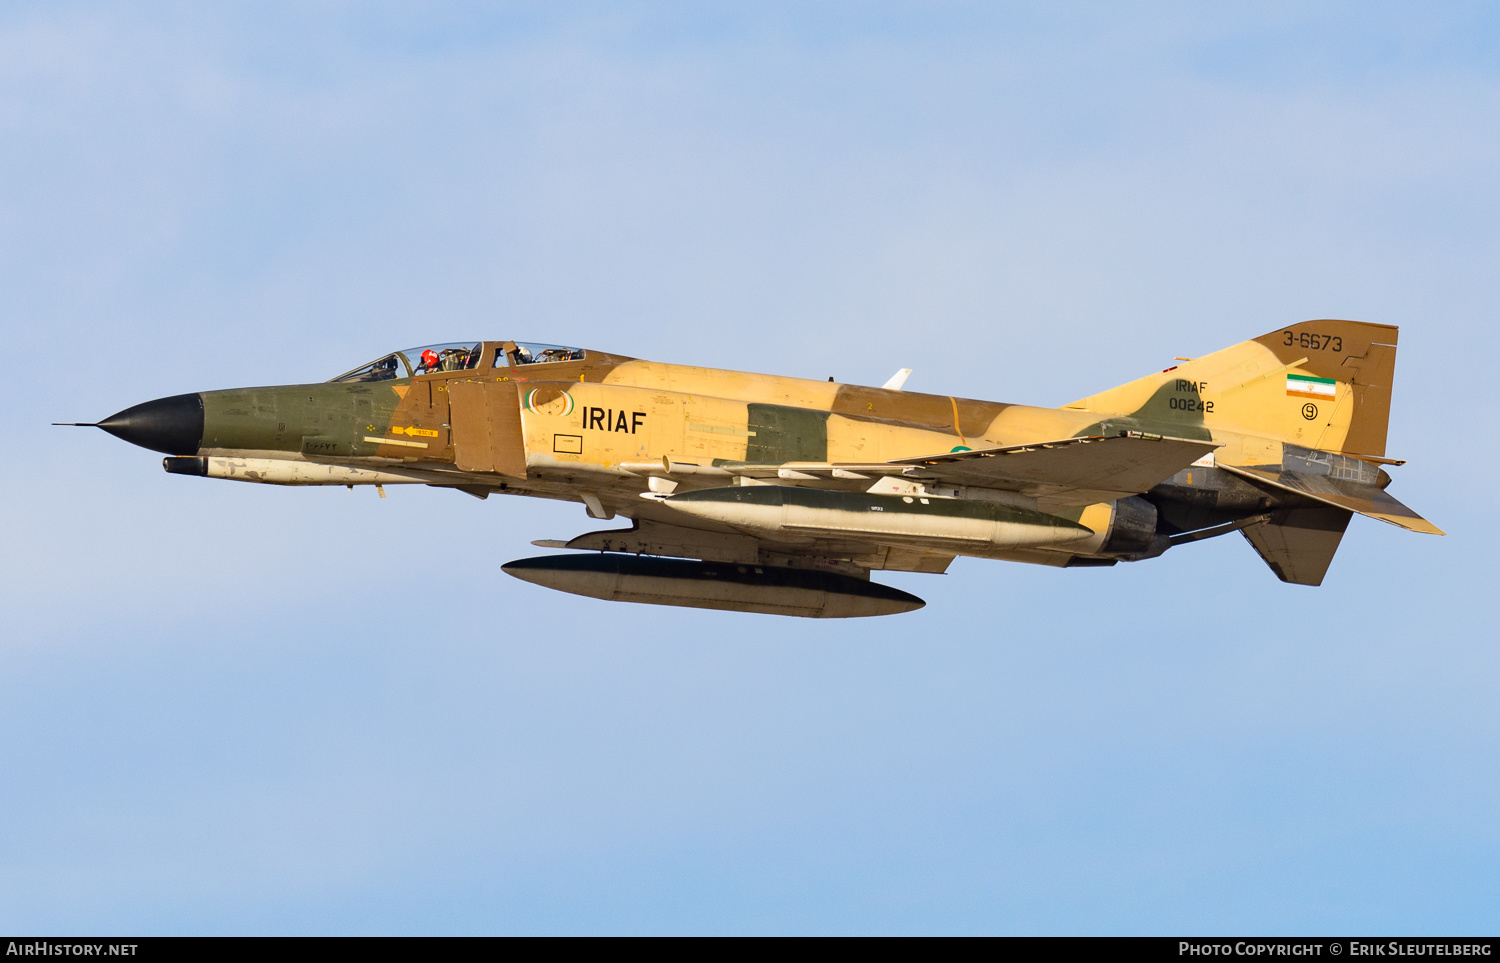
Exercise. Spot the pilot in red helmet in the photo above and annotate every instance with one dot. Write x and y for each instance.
(429, 360)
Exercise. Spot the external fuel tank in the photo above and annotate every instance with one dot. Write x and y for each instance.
(713, 585)
(780, 511)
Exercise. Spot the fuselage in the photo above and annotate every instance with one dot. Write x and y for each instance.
(760, 477)
(599, 427)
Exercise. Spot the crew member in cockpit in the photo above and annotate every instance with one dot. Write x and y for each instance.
(429, 362)
(382, 370)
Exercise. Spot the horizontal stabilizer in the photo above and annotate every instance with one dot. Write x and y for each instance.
(1366, 500)
(1070, 470)
(1299, 543)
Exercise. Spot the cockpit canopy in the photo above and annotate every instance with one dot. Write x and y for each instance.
(530, 353)
(458, 356)
(416, 361)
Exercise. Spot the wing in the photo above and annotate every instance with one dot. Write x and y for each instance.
(1071, 471)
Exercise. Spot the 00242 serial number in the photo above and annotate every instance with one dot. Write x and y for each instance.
(1316, 342)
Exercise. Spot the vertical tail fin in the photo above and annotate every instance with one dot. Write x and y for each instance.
(1318, 384)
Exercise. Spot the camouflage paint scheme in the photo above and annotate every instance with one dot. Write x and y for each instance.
(1281, 437)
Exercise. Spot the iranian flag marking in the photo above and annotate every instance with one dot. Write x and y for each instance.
(1304, 386)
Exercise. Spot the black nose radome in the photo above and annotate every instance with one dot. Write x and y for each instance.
(172, 425)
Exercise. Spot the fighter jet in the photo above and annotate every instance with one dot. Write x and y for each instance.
(762, 493)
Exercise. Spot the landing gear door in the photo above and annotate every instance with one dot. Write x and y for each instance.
(486, 420)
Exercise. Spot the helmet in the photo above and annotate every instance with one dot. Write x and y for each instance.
(430, 359)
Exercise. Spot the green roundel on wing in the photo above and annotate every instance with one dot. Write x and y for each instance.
(959, 448)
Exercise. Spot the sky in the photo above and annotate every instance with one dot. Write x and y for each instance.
(242, 709)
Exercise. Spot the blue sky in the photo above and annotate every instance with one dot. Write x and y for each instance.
(242, 709)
